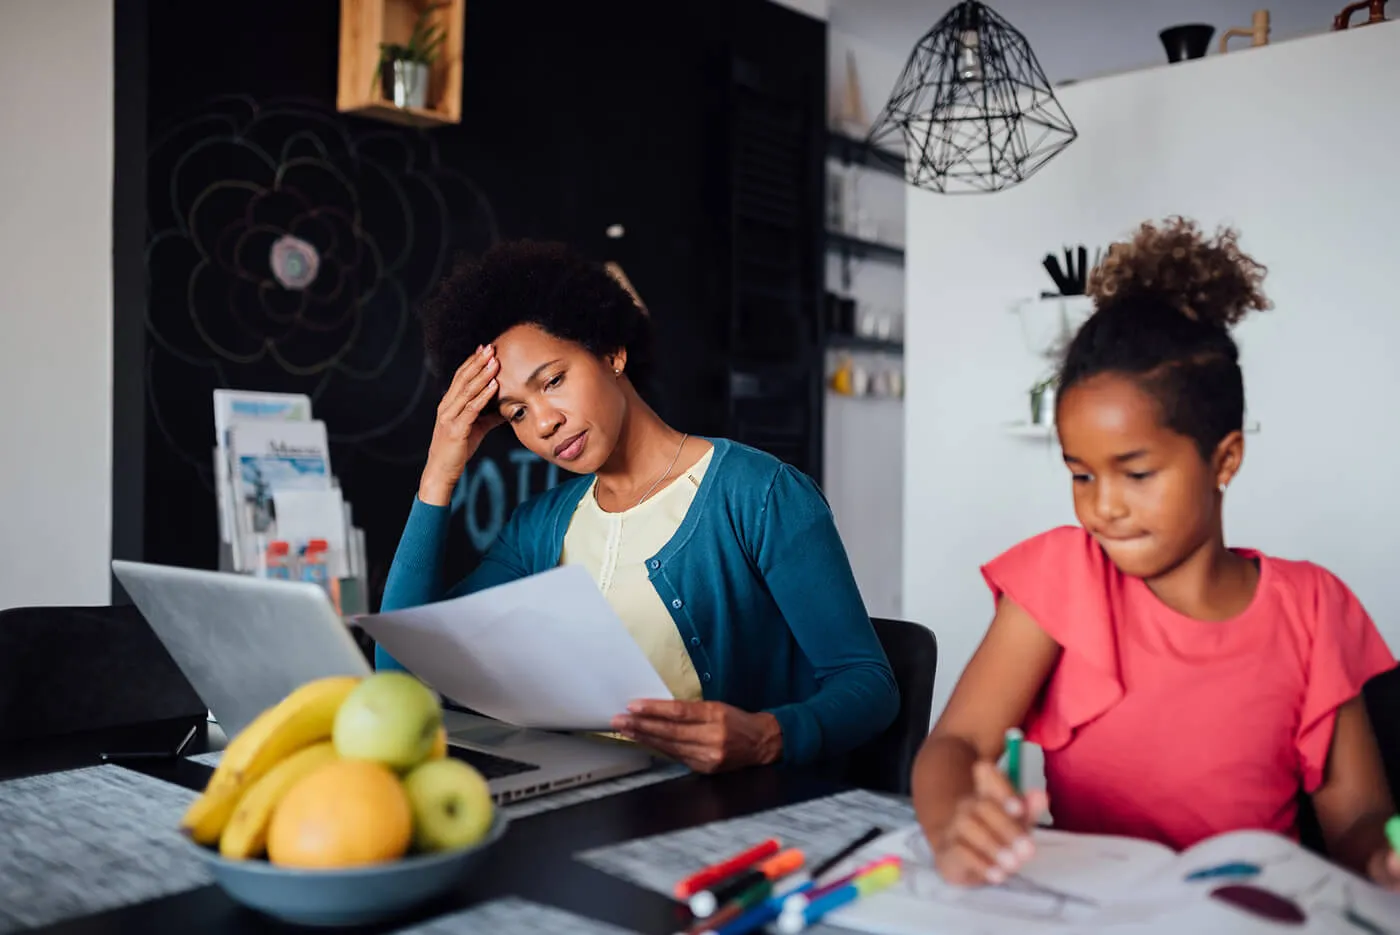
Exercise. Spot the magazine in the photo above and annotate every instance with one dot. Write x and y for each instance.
(267, 458)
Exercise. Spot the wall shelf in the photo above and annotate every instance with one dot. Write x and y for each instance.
(1077, 308)
(1029, 430)
(1033, 430)
(364, 24)
(851, 151)
(848, 342)
(858, 249)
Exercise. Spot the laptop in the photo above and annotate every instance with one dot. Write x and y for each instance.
(244, 643)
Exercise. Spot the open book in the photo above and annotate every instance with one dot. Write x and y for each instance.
(1238, 883)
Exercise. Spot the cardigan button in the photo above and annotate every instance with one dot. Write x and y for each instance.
(695, 641)
(676, 603)
(705, 677)
(654, 564)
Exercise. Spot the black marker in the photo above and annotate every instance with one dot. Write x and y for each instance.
(821, 869)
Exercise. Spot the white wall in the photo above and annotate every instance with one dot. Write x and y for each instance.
(864, 437)
(1076, 39)
(1290, 144)
(55, 301)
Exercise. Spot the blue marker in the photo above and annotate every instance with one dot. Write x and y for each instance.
(750, 921)
(790, 923)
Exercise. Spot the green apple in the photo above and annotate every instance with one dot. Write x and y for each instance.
(451, 804)
(391, 718)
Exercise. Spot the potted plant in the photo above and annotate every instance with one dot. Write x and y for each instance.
(1043, 402)
(403, 71)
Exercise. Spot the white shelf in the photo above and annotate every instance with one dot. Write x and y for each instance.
(1076, 306)
(1031, 430)
(1028, 430)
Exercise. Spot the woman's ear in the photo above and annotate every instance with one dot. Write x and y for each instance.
(1229, 455)
(617, 360)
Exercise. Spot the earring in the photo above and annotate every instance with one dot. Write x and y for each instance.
(617, 371)
(1222, 488)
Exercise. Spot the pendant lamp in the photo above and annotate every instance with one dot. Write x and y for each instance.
(972, 110)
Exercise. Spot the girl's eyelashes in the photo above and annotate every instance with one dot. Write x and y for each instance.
(1132, 475)
(554, 381)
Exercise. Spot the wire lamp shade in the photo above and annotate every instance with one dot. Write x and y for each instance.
(972, 110)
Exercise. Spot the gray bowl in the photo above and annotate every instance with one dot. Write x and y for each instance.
(350, 896)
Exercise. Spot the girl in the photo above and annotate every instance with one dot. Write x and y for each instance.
(723, 562)
(1179, 688)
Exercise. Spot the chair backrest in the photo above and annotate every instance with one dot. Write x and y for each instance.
(884, 763)
(1382, 697)
(70, 669)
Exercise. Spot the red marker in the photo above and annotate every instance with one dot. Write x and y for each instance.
(726, 868)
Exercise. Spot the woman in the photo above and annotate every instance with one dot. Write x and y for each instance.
(723, 562)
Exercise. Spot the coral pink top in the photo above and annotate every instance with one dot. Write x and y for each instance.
(1160, 726)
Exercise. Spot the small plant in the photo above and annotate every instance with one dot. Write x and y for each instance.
(1043, 400)
(422, 46)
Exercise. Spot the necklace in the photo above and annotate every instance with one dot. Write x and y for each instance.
(664, 475)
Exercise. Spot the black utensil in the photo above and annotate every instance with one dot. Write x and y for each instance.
(1052, 266)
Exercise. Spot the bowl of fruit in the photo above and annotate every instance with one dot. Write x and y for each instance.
(339, 805)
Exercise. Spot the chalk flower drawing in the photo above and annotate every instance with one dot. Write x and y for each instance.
(294, 262)
(288, 251)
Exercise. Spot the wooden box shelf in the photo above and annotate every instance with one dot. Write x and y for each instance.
(364, 24)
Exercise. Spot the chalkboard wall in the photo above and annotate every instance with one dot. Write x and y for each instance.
(576, 116)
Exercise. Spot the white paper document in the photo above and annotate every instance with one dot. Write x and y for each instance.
(546, 652)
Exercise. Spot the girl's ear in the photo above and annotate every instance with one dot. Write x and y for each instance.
(617, 360)
(1229, 455)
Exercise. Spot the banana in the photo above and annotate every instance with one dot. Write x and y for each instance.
(205, 819)
(305, 716)
(245, 835)
(439, 749)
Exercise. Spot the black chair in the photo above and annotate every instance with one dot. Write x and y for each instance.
(884, 763)
(1382, 696)
(70, 669)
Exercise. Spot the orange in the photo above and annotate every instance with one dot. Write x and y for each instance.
(343, 814)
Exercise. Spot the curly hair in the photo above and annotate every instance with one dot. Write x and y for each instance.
(1164, 303)
(526, 282)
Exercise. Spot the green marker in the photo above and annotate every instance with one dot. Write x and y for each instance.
(1392, 831)
(1013, 759)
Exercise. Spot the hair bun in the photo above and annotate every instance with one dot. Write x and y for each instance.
(1208, 280)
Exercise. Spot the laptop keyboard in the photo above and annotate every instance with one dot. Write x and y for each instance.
(492, 767)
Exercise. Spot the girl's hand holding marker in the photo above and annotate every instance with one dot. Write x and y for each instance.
(989, 837)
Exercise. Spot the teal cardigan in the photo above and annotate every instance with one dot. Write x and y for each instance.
(756, 579)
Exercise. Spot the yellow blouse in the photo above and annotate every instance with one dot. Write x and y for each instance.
(614, 548)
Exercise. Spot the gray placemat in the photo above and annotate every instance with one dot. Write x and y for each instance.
(548, 803)
(82, 841)
(819, 828)
(514, 916)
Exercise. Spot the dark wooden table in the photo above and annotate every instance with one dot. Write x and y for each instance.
(534, 860)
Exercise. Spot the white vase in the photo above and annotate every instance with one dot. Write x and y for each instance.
(406, 83)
